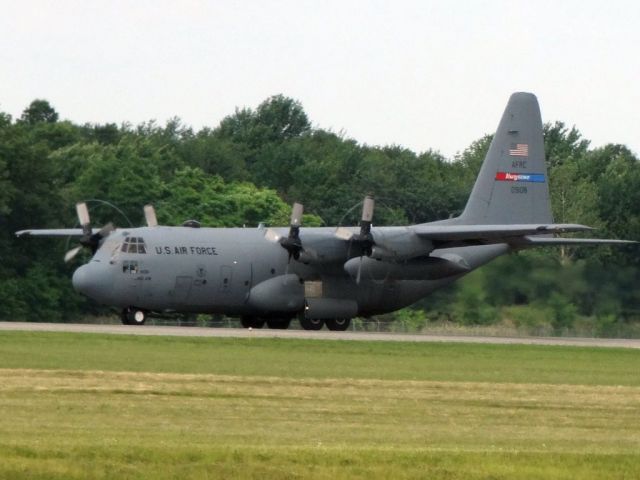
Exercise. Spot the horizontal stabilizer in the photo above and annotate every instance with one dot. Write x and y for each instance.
(55, 232)
(550, 241)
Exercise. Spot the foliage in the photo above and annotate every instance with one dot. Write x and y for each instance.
(193, 194)
(472, 306)
(563, 312)
(413, 319)
(39, 111)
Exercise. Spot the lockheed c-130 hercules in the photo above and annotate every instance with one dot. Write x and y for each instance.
(326, 276)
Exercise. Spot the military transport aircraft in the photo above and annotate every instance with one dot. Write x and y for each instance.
(326, 276)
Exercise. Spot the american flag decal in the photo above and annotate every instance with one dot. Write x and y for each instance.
(519, 150)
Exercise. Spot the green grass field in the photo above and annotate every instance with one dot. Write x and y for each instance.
(100, 406)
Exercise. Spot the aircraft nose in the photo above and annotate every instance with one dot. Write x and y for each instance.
(93, 280)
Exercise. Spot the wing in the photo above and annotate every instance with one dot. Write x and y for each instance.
(54, 232)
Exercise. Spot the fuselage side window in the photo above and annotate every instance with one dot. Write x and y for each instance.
(129, 266)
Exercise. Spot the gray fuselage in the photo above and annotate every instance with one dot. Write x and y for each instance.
(238, 271)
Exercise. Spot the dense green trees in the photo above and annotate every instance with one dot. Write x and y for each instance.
(250, 167)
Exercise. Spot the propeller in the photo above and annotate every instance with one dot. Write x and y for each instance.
(363, 240)
(89, 239)
(292, 243)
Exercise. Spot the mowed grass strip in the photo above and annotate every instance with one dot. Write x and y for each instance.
(80, 424)
(322, 359)
(170, 408)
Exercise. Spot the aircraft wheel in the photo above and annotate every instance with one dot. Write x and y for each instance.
(252, 322)
(338, 324)
(124, 316)
(311, 323)
(135, 316)
(278, 323)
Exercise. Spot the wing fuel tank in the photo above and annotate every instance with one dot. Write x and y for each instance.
(283, 293)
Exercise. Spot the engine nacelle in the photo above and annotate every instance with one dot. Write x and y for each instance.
(399, 243)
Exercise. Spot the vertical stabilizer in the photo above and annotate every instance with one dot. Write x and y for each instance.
(512, 186)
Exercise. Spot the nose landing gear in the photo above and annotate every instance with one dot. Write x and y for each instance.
(133, 316)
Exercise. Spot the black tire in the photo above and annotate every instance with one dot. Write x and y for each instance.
(338, 324)
(252, 322)
(278, 323)
(135, 316)
(124, 316)
(311, 323)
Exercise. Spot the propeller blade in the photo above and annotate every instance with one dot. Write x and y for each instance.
(105, 231)
(83, 217)
(296, 214)
(291, 243)
(367, 209)
(271, 235)
(150, 216)
(343, 233)
(70, 255)
(83, 213)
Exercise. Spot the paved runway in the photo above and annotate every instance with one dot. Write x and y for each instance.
(321, 335)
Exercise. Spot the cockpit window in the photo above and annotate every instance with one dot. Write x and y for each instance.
(134, 245)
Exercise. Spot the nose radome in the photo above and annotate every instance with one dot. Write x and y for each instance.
(93, 280)
(80, 280)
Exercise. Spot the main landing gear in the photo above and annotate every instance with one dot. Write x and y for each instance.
(311, 323)
(133, 316)
(338, 324)
(257, 322)
(252, 322)
(278, 323)
(334, 324)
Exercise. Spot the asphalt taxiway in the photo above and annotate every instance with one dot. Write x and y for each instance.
(319, 335)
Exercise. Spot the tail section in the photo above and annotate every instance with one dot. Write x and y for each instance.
(512, 186)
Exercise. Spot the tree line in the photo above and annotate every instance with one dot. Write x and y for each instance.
(257, 161)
